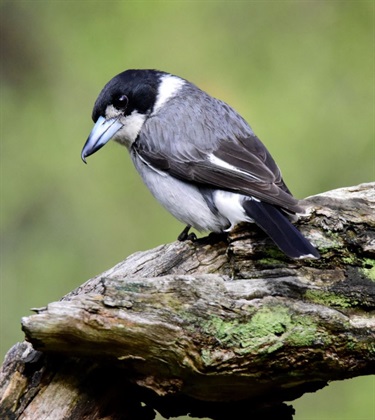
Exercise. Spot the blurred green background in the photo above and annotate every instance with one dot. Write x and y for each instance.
(301, 72)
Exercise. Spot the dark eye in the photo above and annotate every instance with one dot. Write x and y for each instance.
(121, 102)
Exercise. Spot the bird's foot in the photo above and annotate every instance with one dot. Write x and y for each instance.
(218, 236)
(186, 236)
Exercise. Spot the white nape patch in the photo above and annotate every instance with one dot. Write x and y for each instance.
(132, 125)
(230, 206)
(219, 162)
(168, 88)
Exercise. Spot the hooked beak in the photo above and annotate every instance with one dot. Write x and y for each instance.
(102, 132)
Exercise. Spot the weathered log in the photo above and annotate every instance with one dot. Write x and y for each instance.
(223, 324)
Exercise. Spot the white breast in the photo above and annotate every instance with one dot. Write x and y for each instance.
(184, 201)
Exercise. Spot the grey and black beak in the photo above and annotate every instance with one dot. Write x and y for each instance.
(102, 132)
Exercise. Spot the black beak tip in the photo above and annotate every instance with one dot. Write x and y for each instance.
(83, 157)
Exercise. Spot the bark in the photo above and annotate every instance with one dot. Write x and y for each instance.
(221, 325)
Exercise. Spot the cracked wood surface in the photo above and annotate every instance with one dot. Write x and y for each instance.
(208, 325)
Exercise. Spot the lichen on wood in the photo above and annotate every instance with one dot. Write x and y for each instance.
(208, 326)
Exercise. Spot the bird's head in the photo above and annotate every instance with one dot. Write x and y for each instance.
(125, 103)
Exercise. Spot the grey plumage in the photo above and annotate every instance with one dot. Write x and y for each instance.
(226, 136)
(198, 156)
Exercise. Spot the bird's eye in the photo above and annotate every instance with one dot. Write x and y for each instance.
(122, 102)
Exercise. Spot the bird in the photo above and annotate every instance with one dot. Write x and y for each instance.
(199, 158)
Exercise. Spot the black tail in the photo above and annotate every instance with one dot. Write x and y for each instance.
(277, 226)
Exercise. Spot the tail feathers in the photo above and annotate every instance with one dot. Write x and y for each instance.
(277, 226)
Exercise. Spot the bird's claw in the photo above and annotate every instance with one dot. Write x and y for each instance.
(186, 236)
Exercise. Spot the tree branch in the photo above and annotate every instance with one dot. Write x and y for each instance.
(207, 326)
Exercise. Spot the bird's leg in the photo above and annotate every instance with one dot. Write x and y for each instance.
(185, 235)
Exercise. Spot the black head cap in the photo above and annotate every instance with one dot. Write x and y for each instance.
(130, 90)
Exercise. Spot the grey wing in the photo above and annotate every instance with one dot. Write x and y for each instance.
(215, 148)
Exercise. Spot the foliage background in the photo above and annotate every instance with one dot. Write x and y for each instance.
(301, 72)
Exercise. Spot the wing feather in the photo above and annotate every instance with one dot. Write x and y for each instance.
(215, 148)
